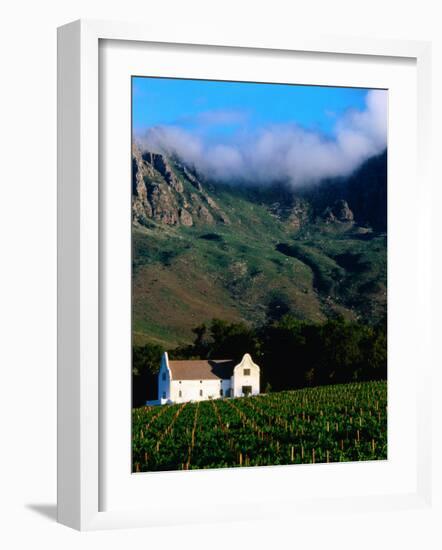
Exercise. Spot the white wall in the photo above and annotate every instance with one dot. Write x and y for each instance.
(28, 277)
(191, 390)
(239, 379)
(164, 378)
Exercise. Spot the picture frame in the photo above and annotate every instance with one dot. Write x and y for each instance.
(81, 396)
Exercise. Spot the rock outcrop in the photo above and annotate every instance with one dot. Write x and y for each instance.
(295, 213)
(339, 212)
(170, 193)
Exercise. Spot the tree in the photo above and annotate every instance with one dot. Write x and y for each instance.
(340, 351)
(200, 342)
(231, 341)
(374, 352)
(146, 362)
(291, 353)
(283, 346)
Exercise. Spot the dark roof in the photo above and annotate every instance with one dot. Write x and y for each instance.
(197, 369)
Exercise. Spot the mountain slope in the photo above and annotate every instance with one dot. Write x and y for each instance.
(365, 191)
(203, 250)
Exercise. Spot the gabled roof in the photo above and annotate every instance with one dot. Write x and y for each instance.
(198, 369)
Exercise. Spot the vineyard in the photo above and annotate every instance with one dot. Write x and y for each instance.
(327, 424)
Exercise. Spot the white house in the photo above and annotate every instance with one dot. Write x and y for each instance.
(196, 380)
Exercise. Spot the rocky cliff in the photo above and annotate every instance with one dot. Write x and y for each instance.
(338, 212)
(204, 249)
(165, 191)
(168, 192)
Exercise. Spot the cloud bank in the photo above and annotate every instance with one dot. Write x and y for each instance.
(281, 152)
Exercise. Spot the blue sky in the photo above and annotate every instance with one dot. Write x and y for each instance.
(260, 133)
(164, 101)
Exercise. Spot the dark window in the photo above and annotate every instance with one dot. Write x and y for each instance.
(180, 381)
(201, 393)
(201, 381)
(180, 394)
(164, 395)
(247, 390)
(246, 372)
(164, 376)
(221, 392)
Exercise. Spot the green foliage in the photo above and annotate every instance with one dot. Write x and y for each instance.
(326, 273)
(254, 269)
(232, 339)
(278, 305)
(220, 340)
(145, 365)
(146, 359)
(329, 424)
(291, 353)
(294, 354)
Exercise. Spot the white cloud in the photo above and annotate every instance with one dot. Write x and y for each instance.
(280, 152)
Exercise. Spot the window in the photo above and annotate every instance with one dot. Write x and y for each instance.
(246, 372)
(201, 393)
(180, 394)
(164, 376)
(180, 381)
(164, 395)
(246, 390)
(221, 392)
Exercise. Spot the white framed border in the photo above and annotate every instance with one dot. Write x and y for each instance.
(79, 264)
(118, 62)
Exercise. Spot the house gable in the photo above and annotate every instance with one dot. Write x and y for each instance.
(246, 377)
(164, 378)
(196, 380)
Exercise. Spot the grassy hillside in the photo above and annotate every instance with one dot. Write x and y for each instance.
(256, 267)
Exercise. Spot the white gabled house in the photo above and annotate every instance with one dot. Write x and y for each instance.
(196, 380)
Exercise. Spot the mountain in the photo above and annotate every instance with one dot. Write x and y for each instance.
(365, 191)
(169, 193)
(204, 249)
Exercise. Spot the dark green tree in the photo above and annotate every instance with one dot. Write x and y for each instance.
(145, 366)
